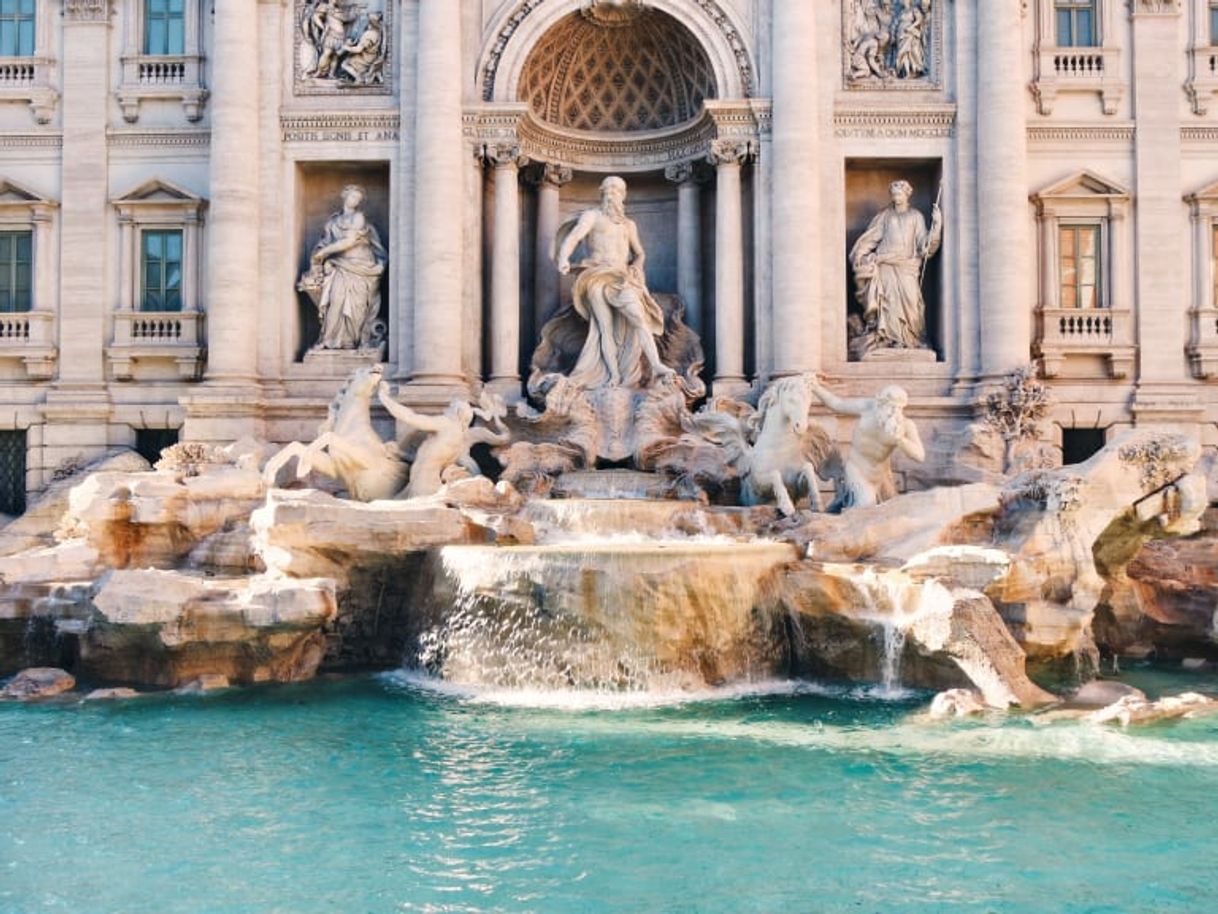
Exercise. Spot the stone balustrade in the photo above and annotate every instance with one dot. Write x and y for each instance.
(1106, 332)
(156, 336)
(30, 337)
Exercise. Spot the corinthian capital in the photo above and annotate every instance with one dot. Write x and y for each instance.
(680, 173)
(556, 175)
(730, 152)
(86, 10)
(504, 155)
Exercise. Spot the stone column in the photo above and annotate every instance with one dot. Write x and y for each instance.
(505, 158)
(438, 177)
(1004, 261)
(229, 405)
(1164, 395)
(77, 409)
(795, 178)
(689, 241)
(728, 156)
(232, 252)
(546, 283)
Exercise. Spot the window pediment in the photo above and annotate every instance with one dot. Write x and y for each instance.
(158, 197)
(1084, 185)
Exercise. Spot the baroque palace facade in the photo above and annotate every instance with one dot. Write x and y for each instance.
(173, 171)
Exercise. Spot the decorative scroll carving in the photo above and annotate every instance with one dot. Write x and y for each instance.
(342, 46)
(890, 44)
(525, 8)
(86, 10)
(731, 151)
(1167, 7)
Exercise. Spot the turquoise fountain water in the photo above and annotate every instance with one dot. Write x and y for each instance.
(387, 795)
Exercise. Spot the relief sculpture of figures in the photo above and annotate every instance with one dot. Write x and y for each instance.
(611, 295)
(342, 43)
(344, 278)
(888, 260)
(887, 39)
(865, 477)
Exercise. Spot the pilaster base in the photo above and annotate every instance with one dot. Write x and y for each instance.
(510, 389)
(77, 426)
(433, 393)
(735, 388)
(223, 415)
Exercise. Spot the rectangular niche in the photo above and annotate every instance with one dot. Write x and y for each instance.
(319, 187)
(867, 194)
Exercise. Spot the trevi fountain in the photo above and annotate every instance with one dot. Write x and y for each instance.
(616, 645)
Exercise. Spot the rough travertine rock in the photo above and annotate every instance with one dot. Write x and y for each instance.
(1133, 709)
(37, 526)
(311, 534)
(848, 616)
(156, 519)
(113, 694)
(37, 682)
(165, 628)
(957, 703)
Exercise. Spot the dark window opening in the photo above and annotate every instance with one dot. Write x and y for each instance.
(149, 442)
(12, 472)
(1078, 444)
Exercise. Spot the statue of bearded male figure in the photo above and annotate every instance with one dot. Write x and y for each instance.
(611, 295)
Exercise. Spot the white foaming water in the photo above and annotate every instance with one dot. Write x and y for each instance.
(895, 602)
(577, 700)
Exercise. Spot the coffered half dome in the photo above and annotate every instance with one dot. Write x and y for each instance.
(646, 72)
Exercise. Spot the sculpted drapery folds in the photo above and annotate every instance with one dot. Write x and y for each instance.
(611, 295)
(888, 260)
(344, 277)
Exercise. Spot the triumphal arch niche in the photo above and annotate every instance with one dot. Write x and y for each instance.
(659, 92)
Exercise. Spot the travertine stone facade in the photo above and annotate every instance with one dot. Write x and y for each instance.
(159, 200)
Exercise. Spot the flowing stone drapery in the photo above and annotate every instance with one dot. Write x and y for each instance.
(728, 156)
(689, 241)
(1004, 260)
(505, 271)
(795, 174)
(438, 249)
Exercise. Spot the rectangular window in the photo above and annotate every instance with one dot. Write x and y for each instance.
(1214, 23)
(161, 270)
(1076, 23)
(164, 26)
(16, 267)
(1079, 266)
(12, 472)
(17, 28)
(1214, 262)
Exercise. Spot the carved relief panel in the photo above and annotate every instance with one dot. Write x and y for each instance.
(892, 44)
(342, 47)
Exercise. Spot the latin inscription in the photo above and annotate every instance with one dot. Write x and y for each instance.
(340, 136)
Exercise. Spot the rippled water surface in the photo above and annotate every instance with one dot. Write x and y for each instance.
(378, 795)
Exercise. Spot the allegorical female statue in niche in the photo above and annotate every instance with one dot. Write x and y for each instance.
(888, 261)
(344, 278)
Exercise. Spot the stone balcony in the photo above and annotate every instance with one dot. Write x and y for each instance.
(28, 79)
(1103, 332)
(30, 337)
(143, 338)
(1091, 69)
(162, 76)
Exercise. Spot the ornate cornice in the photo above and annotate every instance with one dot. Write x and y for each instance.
(31, 141)
(336, 127)
(86, 10)
(1081, 133)
(126, 139)
(938, 121)
(1199, 134)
